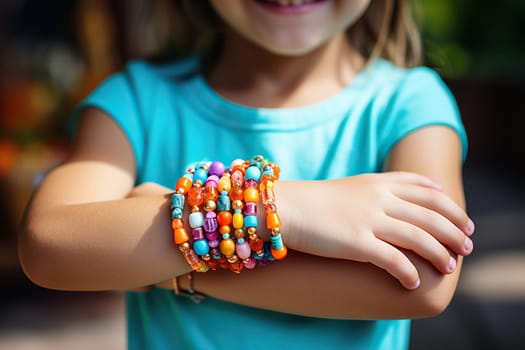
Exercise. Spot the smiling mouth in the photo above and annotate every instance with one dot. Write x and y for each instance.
(289, 3)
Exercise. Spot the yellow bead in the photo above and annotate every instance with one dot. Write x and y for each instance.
(238, 220)
(251, 195)
(227, 247)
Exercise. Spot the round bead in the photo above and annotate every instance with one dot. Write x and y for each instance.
(213, 243)
(200, 175)
(216, 168)
(249, 263)
(224, 218)
(236, 162)
(253, 172)
(236, 193)
(201, 247)
(195, 196)
(227, 247)
(237, 204)
(243, 250)
(209, 205)
(256, 244)
(225, 229)
(236, 266)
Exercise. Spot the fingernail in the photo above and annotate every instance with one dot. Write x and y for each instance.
(469, 229)
(468, 245)
(451, 265)
(416, 285)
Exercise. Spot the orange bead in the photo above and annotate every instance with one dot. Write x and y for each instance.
(236, 193)
(180, 235)
(195, 196)
(251, 195)
(273, 220)
(225, 229)
(224, 218)
(211, 193)
(227, 247)
(256, 244)
(183, 184)
(280, 254)
(177, 223)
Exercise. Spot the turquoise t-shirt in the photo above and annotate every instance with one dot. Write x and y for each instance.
(172, 118)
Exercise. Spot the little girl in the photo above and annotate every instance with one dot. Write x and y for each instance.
(369, 192)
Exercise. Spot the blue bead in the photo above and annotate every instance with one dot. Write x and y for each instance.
(253, 172)
(196, 219)
(250, 221)
(177, 200)
(200, 175)
(201, 247)
(277, 242)
(176, 213)
(223, 203)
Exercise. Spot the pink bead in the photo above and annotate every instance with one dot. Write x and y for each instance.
(197, 233)
(212, 180)
(250, 183)
(250, 209)
(250, 263)
(243, 250)
(212, 235)
(236, 162)
(214, 243)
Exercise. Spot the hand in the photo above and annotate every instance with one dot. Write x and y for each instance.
(374, 217)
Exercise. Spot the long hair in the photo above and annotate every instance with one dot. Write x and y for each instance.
(386, 29)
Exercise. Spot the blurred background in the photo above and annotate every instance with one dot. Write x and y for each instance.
(52, 53)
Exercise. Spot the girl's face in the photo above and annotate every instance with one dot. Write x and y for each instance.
(289, 27)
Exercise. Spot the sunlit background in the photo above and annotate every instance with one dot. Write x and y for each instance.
(52, 53)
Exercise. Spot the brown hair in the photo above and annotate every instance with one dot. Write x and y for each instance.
(386, 29)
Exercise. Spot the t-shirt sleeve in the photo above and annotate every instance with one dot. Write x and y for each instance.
(421, 99)
(116, 97)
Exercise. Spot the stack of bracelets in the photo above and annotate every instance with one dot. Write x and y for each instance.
(223, 215)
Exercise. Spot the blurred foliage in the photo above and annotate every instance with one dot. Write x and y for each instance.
(474, 38)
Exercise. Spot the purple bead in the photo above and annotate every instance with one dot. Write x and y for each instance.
(214, 243)
(210, 222)
(212, 235)
(250, 209)
(250, 263)
(217, 169)
(263, 262)
(212, 180)
(250, 183)
(215, 252)
(197, 233)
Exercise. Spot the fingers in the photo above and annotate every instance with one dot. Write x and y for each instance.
(441, 221)
(408, 236)
(391, 259)
(439, 202)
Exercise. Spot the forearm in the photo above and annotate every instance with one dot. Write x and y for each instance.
(116, 244)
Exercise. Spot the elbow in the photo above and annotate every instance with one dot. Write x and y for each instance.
(34, 259)
(434, 299)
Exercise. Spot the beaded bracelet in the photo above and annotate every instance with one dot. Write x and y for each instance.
(215, 188)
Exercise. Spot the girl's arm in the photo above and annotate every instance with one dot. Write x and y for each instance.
(82, 233)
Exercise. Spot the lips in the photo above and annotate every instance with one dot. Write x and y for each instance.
(289, 2)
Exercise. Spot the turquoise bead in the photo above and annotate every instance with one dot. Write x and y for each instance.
(250, 221)
(177, 200)
(196, 219)
(253, 172)
(277, 242)
(176, 213)
(201, 247)
(200, 175)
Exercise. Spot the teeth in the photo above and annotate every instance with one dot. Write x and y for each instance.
(290, 2)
